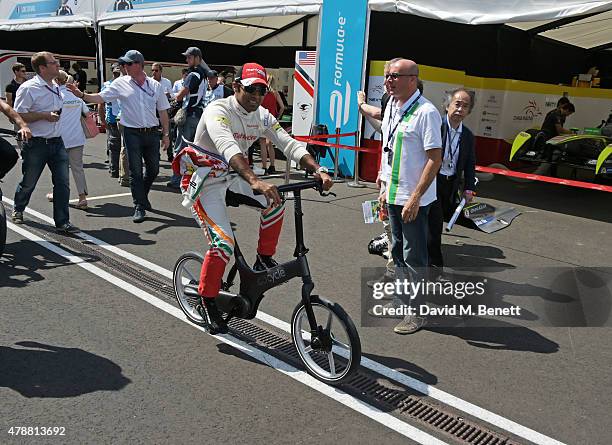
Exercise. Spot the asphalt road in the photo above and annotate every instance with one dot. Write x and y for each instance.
(114, 369)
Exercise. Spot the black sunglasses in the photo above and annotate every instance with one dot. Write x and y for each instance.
(396, 76)
(252, 89)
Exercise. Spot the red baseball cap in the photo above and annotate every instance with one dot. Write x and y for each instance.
(252, 73)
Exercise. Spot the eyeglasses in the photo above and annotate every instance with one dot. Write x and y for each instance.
(396, 76)
(51, 62)
(154, 71)
(23, 71)
(252, 89)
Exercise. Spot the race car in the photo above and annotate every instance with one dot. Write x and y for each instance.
(580, 151)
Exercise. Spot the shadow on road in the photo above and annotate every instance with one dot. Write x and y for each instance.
(57, 372)
(23, 260)
(505, 336)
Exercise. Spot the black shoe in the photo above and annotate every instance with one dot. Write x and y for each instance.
(215, 319)
(139, 215)
(264, 262)
(114, 174)
(172, 185)
(270, 170)
(67, 228)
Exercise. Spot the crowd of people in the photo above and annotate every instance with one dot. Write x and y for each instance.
(215, 126)
(206, 129)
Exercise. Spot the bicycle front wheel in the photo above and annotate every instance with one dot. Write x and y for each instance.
(2, 227)
(333, 353)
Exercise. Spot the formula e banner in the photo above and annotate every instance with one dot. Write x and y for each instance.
(341, 54)
(18, 15)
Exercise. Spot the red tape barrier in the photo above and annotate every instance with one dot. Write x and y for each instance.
(313, 140)
(531, 176)
(496, 171)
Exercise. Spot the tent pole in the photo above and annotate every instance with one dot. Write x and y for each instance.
(364, 71)
(101, 69)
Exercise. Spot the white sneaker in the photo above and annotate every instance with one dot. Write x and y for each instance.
(259, 171)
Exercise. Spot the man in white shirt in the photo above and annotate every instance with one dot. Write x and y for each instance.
(140, 97)
(156, 73)
(223, 136)
(39, 102)
(411, 130)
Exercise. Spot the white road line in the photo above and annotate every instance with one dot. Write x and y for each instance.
(347, 400)
(93, 198)
(435, 393)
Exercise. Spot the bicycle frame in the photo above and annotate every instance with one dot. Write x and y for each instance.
(254, 284)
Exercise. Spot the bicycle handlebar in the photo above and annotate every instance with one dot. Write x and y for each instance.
(8, 132)
(312, 184)
(303, 185)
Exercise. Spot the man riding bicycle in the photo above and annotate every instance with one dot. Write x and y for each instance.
(227, 128)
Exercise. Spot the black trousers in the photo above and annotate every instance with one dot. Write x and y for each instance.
(441, 210)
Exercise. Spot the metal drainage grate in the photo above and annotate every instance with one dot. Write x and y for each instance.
(365, 385)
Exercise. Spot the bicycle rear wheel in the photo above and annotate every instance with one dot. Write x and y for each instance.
(185, 281)
(333, 353)
(2, 227)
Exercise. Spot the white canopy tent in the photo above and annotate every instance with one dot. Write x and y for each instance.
(586, 24)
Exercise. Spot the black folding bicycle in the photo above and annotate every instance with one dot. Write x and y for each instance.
(324, 335)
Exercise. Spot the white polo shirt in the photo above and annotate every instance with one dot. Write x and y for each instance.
(417, 132)
(36, 95)
(166, 85)
(70, 119)
(138, 102)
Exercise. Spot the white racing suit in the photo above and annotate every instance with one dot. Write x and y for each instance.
(224, 131)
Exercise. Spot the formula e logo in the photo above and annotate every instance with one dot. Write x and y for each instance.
(273, 276)
(339, 111)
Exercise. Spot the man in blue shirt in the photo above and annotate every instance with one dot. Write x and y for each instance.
(113, 136)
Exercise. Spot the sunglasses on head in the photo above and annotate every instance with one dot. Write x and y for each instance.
(396, 76)
(252, 89)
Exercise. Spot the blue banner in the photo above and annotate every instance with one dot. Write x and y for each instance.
(341, 52)
(36, 9)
